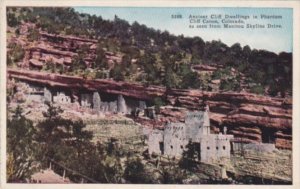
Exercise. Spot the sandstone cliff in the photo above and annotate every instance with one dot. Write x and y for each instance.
(250, 117)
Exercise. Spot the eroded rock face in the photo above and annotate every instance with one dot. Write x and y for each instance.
(56, 49)
(249, 117)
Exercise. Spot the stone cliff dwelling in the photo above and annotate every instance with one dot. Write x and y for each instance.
(251, 118)
(96, 100)
(172, 141)
(195, 129)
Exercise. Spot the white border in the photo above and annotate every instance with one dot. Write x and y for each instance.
(155, 3)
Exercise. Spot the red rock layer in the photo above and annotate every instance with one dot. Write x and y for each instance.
(251, 117)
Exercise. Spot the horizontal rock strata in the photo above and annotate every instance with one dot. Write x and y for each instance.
(250, 117)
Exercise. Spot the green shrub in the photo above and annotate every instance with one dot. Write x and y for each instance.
(17, 52)
(33, 35)
(258, 89)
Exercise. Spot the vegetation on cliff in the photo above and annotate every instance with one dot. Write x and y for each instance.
(160, 57)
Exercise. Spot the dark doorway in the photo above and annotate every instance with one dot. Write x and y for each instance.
(268, 135)
(161, 147)
(231, 148)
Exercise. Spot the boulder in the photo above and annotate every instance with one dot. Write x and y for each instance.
(36, 63)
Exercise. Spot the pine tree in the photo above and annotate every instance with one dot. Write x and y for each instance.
(20, 147)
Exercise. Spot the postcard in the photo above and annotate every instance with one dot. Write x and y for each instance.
(148, 94)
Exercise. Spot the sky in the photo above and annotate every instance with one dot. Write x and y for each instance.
(271, 39)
